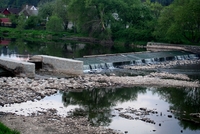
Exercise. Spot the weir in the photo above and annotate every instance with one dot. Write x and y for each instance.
(49, 64)
(94, 63)
(98, 63)
(17, 68)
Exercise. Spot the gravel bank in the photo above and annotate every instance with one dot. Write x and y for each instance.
(18, 90)
(50, 123)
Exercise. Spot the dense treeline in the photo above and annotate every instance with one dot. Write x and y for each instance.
(129, 21)
(19, 3)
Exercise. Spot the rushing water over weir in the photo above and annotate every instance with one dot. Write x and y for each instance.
(100, 62)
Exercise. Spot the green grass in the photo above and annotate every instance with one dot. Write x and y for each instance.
(5, 130)
(40, 34)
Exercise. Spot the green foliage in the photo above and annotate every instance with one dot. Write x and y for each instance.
(32, 22)
(6, 130)
(117, 20)
(55, 24)
(21, 22)
(163, 2)
(54, 8)
(45, 10)
(180, 22)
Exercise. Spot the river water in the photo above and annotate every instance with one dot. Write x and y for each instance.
(167, 109)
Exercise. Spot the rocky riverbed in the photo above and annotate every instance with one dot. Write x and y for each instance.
(18, 90)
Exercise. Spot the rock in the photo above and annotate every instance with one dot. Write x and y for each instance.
(170, 116)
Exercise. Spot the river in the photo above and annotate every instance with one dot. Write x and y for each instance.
(139, 110)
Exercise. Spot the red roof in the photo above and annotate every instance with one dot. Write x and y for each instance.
(4, 42)
(7, 11)
(4, 20)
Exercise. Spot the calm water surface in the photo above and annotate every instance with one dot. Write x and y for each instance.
(104, 107)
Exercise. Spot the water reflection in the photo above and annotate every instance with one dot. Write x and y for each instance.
(126, 109)
(60, 48)
(97, 103)
(183, 102)
(172, 107)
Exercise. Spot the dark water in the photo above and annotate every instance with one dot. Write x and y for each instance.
(61, 48)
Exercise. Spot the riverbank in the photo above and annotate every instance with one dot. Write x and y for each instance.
(18, 90)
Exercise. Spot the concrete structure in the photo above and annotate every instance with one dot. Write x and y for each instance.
(18, 68)
(154, 46)
(58, 65)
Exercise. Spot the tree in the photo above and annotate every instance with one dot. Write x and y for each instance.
(134, 16)
(54, 8)
(180, 22)
(3, 3)
(45, 10)
(60, 10)
(21, 22)
(91, 17)
(32, 22)
(163, 2)
(55, 24)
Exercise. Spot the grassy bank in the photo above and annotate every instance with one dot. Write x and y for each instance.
(43, 35)
(33, 34)
(6, 130)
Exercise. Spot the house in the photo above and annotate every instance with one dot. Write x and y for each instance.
(1, 10)
(4, 42)
(8, 11)
(29, 11)
(5, 22)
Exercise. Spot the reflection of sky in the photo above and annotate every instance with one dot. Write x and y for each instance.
(147, 100)
(15, 57)
(26, 108)
(152, 102)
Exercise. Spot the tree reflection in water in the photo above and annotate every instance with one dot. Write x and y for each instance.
(184, 101)
(98, 103)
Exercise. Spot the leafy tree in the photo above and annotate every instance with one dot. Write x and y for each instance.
(163, 2)
(134, 17)
(45, 10)
(19, 3)
(180, 22)
(21, 22)
(91, 16)
(3, 3)
(55, 24)
(60, 9)
(54, 8)
(32, 22)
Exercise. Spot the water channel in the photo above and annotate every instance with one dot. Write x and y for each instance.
(138, 110)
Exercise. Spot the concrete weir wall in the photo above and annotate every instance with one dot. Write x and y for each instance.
(154, 46)
(18, 68)
(163, 46)
(60, 65)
